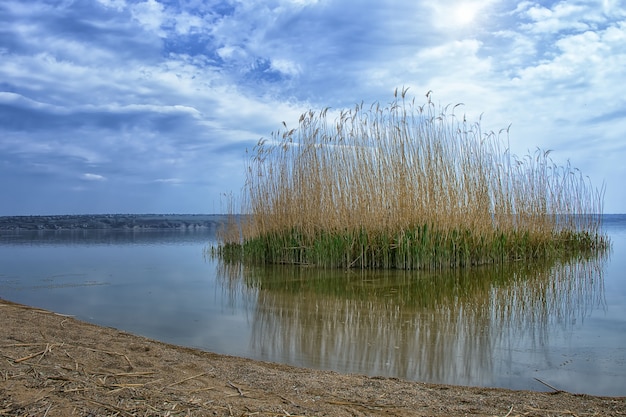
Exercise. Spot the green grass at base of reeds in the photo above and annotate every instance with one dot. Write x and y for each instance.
(421, 247)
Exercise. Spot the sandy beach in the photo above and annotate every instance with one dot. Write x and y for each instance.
(54, 365)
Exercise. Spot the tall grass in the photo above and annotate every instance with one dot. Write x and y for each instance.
(406, 186)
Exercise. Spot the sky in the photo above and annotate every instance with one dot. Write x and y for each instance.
(122, 106)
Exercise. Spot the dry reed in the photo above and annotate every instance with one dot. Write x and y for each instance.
(410, 187)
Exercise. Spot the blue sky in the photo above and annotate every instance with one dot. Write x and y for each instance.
(120, 106)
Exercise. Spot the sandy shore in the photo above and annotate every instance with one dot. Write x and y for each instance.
(54, 365)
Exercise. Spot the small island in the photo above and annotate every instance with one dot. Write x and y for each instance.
(407, 187)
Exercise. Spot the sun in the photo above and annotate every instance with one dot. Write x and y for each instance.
(464, 13)
(452, 15)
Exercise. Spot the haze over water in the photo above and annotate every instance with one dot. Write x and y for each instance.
(564, 324)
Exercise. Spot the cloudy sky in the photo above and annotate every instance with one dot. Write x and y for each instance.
(122, 106)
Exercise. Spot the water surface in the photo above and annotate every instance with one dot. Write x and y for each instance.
(563, 323)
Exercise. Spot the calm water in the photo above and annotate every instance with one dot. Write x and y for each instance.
(564, 324)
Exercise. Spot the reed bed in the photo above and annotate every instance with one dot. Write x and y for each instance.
(406, 186)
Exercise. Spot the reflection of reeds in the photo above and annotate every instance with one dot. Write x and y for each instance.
(560, 296)
(420, 325)
(407, 187)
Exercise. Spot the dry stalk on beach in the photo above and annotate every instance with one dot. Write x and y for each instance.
(406, 186)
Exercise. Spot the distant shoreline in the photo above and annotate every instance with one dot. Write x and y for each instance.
(111, 221)
(125, 221)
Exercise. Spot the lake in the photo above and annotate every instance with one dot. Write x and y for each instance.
(563, 323)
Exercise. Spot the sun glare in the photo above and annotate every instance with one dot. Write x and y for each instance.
(453, 15)
(465, 13)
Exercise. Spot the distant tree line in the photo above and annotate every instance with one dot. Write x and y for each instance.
(109, 221)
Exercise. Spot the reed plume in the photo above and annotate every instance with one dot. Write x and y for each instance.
(407, 186)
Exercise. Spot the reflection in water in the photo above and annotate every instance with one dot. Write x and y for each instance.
(439, 327)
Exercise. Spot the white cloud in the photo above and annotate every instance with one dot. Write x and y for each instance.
(229, 52)
(151, 16)
(93, 177)
(286, 66)
(187, 23)
(561, 17)
(170, 181)
(613, 8)
(118, 5)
